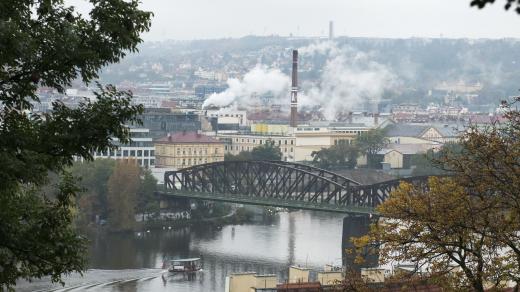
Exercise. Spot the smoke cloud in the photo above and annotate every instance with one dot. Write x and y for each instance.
(349, 80)
(260, 80)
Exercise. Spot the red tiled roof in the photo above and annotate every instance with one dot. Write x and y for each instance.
(187, 137)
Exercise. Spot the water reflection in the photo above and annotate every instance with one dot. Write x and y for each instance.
(266, 247)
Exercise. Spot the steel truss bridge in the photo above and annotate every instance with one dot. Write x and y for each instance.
(279, 184)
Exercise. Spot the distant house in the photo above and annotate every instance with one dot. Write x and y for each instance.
(400, 155)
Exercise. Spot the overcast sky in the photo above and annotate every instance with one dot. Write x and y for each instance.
(203, 19)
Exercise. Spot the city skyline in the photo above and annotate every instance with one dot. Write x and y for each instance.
(204, 19)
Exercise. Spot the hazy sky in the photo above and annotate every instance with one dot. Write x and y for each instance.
(196, 19)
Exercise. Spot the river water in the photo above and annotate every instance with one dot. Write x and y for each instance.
(133, 262)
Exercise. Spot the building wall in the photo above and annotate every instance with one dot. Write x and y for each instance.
(395, 159)
(267, 129)
(298, 275)
(330, 278)
(431, 134)
(241, 282)
(306, 143)
(182, 155)
(267, 281)
(373, 275)
(141, 148)
(235, 143)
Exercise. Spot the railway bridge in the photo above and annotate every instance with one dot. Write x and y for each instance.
(289, 185)
(280, 184)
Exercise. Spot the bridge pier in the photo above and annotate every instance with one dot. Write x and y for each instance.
(356, 226)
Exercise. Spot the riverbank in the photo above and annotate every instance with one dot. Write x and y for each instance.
(237, 216)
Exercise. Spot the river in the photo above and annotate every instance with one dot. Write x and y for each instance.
(132, 262)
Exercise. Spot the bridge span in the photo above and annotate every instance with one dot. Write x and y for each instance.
(279, 184)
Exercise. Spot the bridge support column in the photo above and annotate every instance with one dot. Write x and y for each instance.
(356, 226)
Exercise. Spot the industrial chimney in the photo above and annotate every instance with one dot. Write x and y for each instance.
(331, 30)
(294, 90)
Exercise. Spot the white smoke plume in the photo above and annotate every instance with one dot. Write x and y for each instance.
(350, 79)
(260, 80)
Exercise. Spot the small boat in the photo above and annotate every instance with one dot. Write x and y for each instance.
(185, 265)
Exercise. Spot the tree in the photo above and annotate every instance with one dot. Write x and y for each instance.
(46, 43)
(509, 4)
(337, 156)
(146, 200)
(93, 177)
(425, 163)
(123, 187)
(267, 151)
(370, 143)
(436, 229)
(476, 211)
(487, 166)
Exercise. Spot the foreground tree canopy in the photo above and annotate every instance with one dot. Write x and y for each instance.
(46, 43)
(508, 5)
(463, 229)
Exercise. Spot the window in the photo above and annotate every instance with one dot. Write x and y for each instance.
(152, 152)
(254, 141)
(285, 150)
(292, 142)
(285, 142)
(152, 162)
(139, 153)
(125, 153)
(132, 153)
(216, 150)
(146, 153)
(261, 142)
(291, 149)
